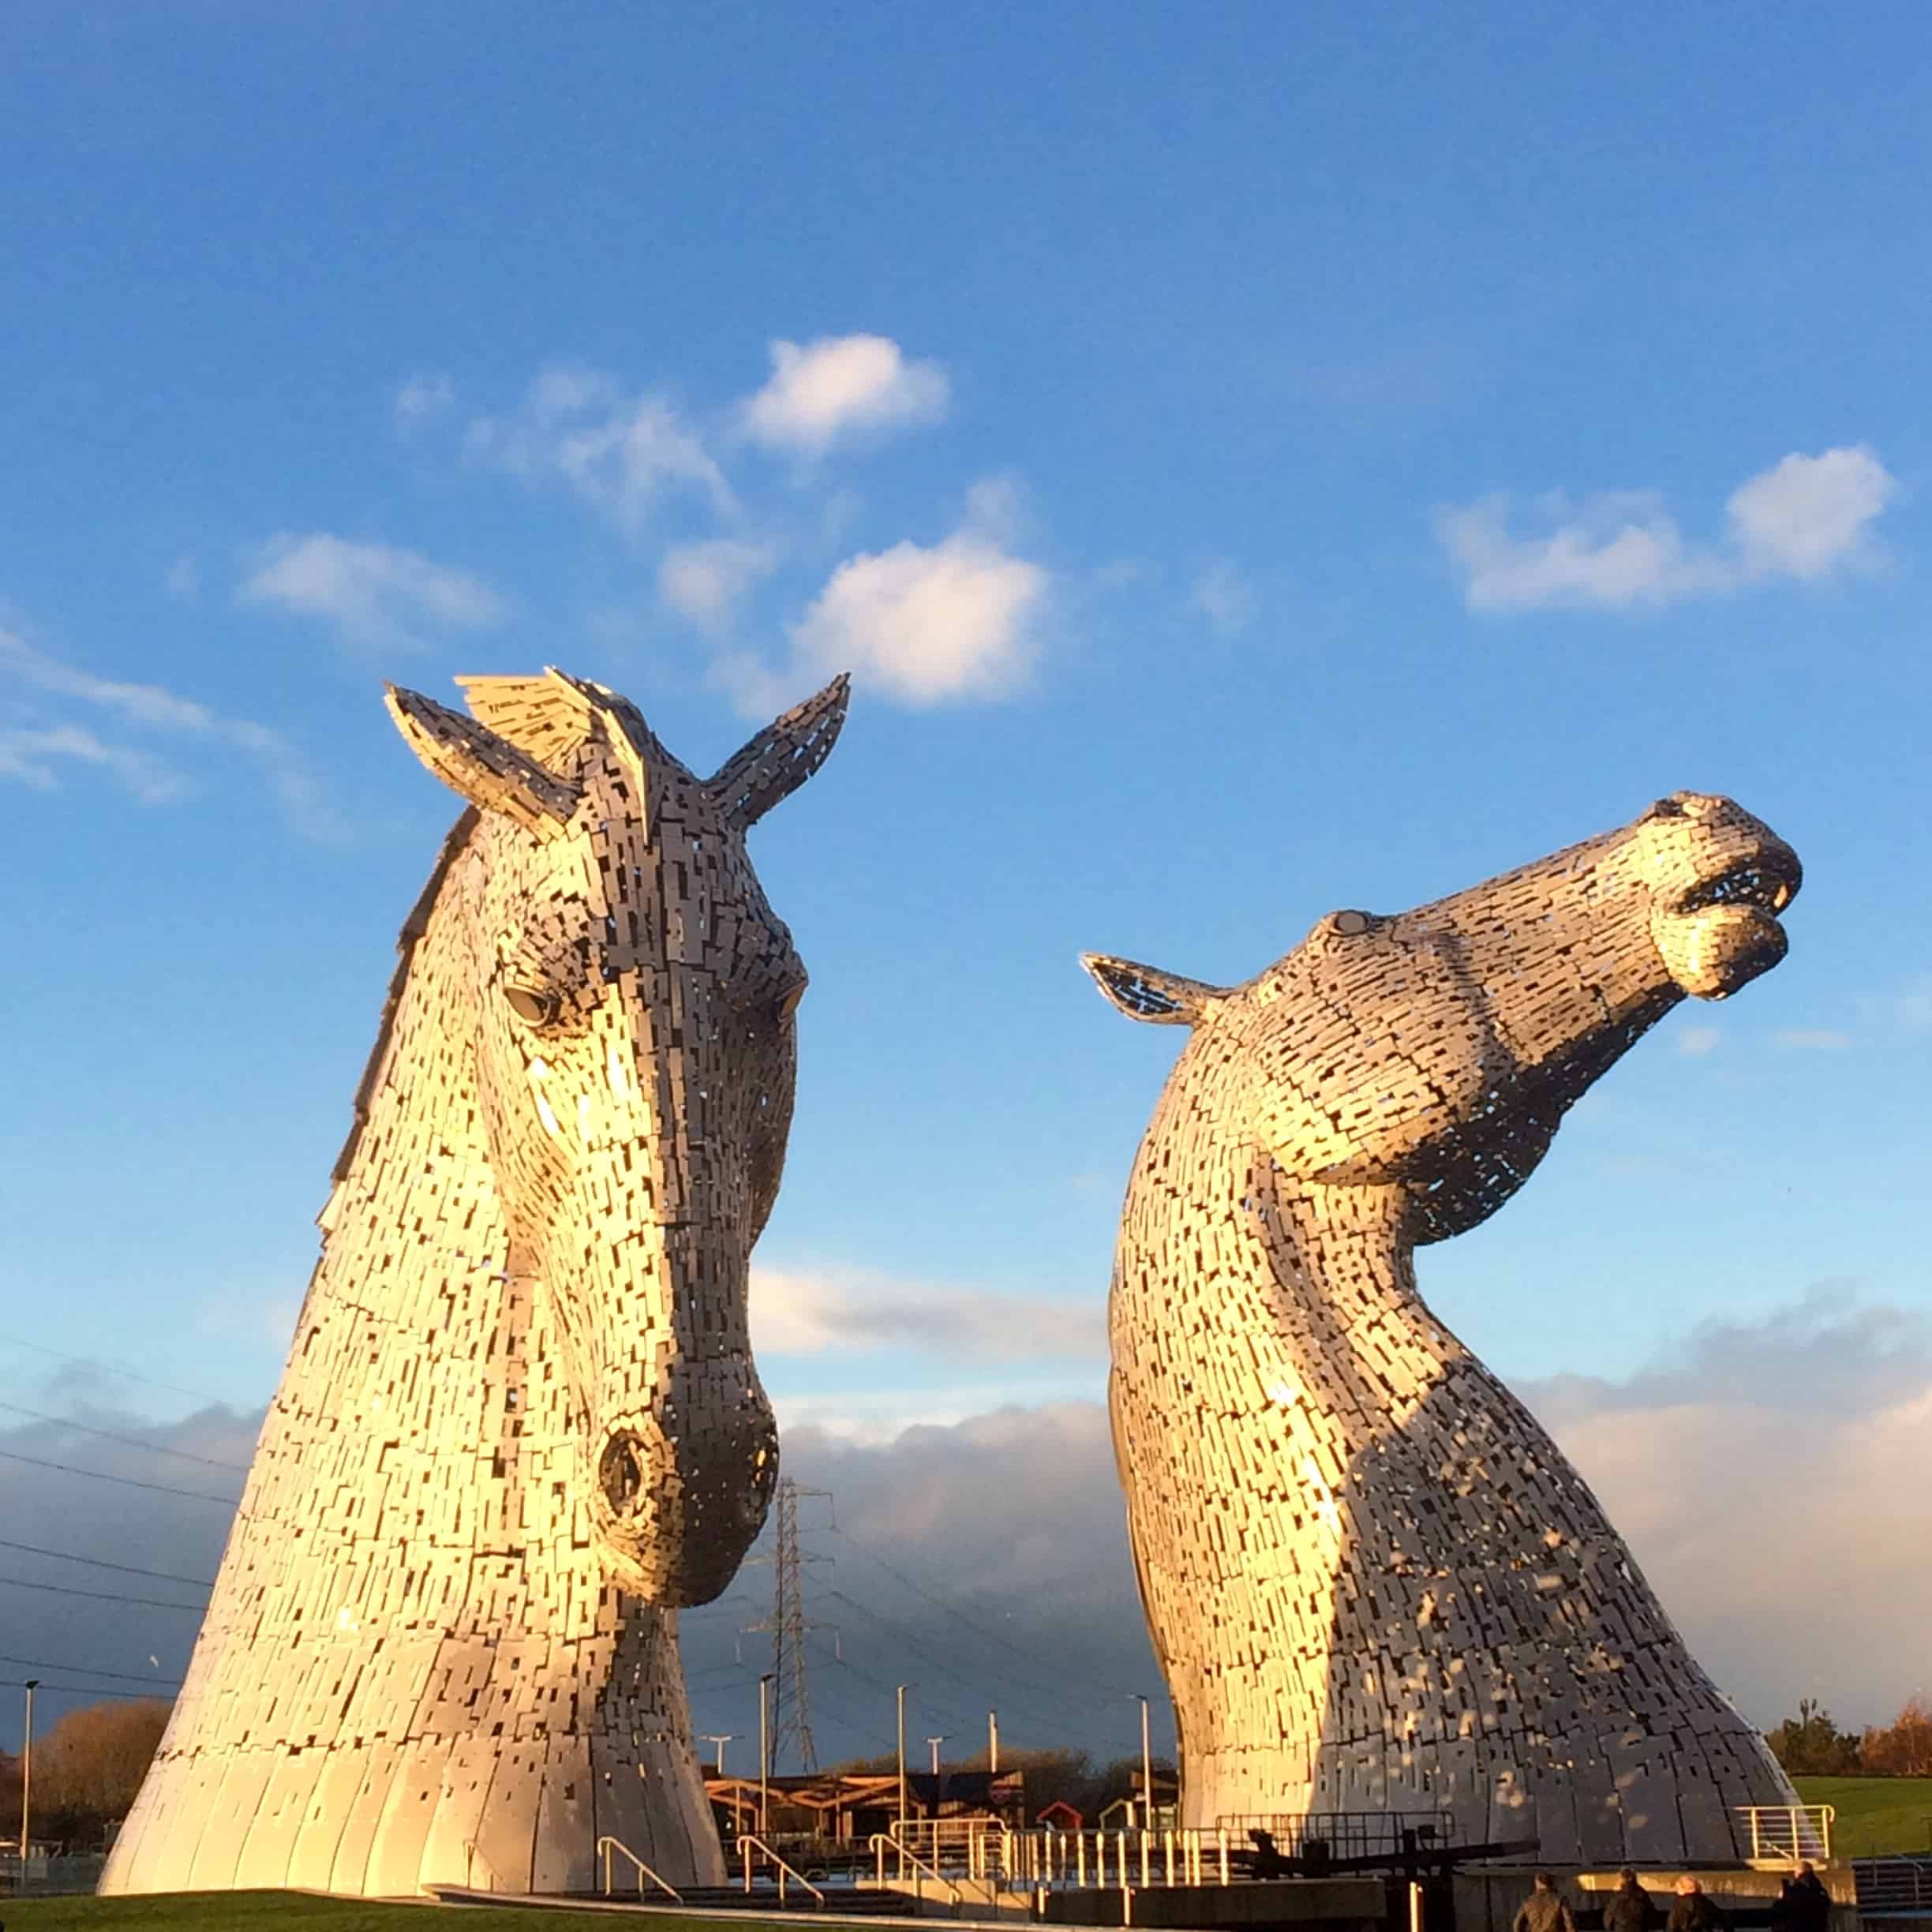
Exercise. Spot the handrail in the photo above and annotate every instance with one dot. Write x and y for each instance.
(747, 1840)
(1789, 1833)
(608, 1845)
(908, 1856)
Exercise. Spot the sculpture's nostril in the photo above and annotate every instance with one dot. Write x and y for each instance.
(620, 1473)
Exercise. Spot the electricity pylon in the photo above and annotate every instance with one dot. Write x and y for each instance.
(788, 1625)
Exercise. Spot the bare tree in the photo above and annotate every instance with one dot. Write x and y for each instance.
(87, 1770)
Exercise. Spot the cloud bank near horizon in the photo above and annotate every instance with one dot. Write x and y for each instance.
(1767, 1473)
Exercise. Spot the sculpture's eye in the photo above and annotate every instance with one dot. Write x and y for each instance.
(1668, 808)
(788, 1002)
(1350, 923)
(534, 1005)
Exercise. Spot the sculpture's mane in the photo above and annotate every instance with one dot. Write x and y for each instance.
(414, 927)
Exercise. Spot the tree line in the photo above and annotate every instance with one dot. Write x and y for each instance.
(1811, 1745)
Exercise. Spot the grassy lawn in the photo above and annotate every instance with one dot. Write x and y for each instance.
(1875, 1815)
(259, 1911)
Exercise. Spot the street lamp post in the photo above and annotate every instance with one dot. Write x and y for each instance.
(765, 1684)
(1147, 1773)
(33, 1684)
(935, 1743)
(902, 1787)
(721, 1738)
(992, 1741)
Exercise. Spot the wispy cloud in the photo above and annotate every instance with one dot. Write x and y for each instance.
(1695, 1042)
(33, 751)
(841, 388)
(32, 755)
(420, 397)
(1915, 1003)
(705, 582)
(619, 453)
(183, 579)
(1802, 520)
(374, 593)
(1225, 598)
(807, 1312)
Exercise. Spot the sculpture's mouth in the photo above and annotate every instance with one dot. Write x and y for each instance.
(1719, 932)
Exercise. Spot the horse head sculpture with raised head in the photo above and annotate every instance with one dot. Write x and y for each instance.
(1373, 1580)
(520, 1424)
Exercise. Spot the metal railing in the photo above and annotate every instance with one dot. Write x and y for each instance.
(911, 1868)
(747, 1844)
(606, 1845)
(1343, 1834)
(1893, 1884)
(1048, 1860)
(1786, 1833)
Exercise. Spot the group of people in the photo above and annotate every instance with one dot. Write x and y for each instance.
(1803, 1905)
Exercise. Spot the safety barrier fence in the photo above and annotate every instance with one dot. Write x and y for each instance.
(1893, 1884)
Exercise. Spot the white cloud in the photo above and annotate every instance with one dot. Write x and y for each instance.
(1225, 598)
(420, 398)
(807, 1312)
(1695, 1042)
(1803, 518)
(29, 751)
(1819, 1039)
(705, 582)
(620, 454)
(926, 624)
(840, 387)
(373, 593)
(1807, 515)
(183, 579)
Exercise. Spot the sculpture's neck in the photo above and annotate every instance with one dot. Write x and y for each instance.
(1311, 1288)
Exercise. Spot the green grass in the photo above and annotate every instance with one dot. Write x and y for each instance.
(1875, 1815)
(259, 1911)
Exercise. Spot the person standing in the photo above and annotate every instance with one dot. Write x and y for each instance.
(1807, 1902)
(1545, 1910)
(1629, 1907)
(1695, 1911)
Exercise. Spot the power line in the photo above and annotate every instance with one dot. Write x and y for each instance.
(88, 1670)
(97, 1562)
(92, 1690)
(1071, 1705)
(127, 1482)
(63, 1590)
(939, 1602)
(95, 1363)
(131, 1442)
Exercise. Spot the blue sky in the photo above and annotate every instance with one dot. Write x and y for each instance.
(1255, 459)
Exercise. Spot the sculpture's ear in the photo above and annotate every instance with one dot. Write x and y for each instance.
(489, 771)
(775, 763)
(1147, 993)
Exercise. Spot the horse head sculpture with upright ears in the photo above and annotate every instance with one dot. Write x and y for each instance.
(519, 1424)
(635, 1055)
(1373, 1581)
